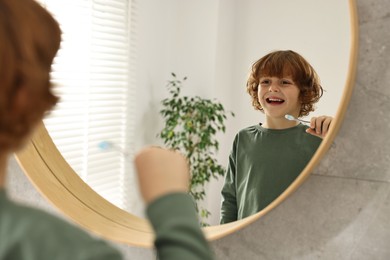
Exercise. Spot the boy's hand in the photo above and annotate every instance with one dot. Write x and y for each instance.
(319, 126)
(160, 172)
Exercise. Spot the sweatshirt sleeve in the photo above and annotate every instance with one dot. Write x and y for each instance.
(229, 200)
(178, 233)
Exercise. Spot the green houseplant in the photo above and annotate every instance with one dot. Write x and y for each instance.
(191, 125)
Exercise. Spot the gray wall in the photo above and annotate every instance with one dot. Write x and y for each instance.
(342, 211)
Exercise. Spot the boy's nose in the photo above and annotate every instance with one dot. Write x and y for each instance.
(273, 87)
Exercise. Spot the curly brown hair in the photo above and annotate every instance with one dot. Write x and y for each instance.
(30, 38)
(287, 63)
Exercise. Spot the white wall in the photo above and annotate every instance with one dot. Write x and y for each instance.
(214, 43)
(172, 38)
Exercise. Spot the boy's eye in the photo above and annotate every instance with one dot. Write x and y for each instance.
(265, 82)
(286, 82)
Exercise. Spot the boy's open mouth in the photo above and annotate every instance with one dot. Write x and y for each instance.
(274, 100)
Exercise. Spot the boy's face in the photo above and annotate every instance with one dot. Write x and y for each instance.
(279, 96)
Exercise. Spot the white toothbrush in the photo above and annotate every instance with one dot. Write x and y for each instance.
(106, 146)
(292, 118)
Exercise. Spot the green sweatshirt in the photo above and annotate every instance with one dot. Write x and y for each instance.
(31, 234)
(262, 164)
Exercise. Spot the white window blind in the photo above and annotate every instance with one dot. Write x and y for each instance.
(94, 79)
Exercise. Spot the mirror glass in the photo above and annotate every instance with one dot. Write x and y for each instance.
(115, 62)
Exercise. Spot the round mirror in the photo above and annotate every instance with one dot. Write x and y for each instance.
(213, 43)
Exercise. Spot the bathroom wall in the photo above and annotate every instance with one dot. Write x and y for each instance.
(342, 211)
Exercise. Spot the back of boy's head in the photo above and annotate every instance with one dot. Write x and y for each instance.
(287, 64)
(29, 39)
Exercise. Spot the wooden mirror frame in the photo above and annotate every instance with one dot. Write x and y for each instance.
(55, 179)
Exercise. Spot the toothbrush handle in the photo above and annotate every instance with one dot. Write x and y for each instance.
(303, 121)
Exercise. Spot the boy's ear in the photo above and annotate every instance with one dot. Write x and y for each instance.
(23, 113)
(20, 101)
(25, 110)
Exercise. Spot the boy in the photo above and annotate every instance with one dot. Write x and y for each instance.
(266, 158)
(30, 39)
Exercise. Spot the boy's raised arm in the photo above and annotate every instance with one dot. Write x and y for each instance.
(163, 177)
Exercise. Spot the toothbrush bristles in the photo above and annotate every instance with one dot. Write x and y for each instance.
(105, 145)
(289, 117)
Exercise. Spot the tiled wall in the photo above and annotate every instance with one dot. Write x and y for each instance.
(342, 211)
